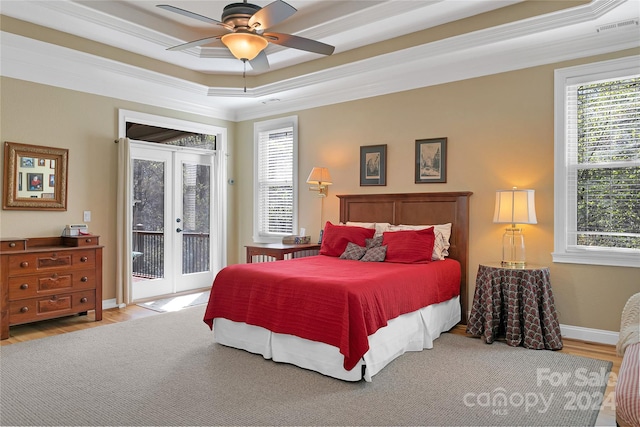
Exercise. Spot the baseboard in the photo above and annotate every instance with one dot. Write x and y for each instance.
(109, 303)
(588, 334)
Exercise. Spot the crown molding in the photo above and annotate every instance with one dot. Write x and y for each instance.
(35, 61)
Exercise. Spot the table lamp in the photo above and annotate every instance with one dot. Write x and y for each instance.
(514, 207)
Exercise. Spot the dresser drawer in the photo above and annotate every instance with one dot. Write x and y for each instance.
(50, 261)
(78, 241)
(12, 245)
(22, 287)
(34, 309)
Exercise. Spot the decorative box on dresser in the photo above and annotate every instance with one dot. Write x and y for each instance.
(48, 277)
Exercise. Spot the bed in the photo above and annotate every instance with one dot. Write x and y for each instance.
(346, 318)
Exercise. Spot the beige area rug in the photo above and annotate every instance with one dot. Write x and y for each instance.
(166, 370)
(177, 303)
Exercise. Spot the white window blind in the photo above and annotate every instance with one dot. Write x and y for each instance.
(275, 187)
(604, 162)
(597, 212)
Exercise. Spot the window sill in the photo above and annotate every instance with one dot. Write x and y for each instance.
(598, 257)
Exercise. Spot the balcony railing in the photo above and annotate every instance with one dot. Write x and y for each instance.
(148, 253)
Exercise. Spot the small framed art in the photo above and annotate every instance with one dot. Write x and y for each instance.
(373, 165)
(34, 181)
(431, 160)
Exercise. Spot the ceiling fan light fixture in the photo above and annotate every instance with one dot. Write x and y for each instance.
(244, 45)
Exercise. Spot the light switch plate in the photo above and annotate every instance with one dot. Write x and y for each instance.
(87, 216)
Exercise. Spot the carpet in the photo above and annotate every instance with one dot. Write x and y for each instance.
(166, 370)
(176, 303)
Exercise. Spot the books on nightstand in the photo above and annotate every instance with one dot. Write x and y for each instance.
(296, 240)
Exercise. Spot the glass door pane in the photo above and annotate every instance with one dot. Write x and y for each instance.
(196, 214)
(194, 205)
(148, 219)
(151, 234)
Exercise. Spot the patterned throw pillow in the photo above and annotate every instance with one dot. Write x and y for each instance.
(375, 254)
(373, 243)
(353, 252)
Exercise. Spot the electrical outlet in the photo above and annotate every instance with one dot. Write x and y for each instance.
(87, 216)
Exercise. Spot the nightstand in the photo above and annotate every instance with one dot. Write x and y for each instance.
(278, 251)
(516, 303)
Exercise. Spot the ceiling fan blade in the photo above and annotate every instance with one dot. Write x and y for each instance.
(260, 63)
(271, 14)
(192, 15)
(301, 43)
(195, 43)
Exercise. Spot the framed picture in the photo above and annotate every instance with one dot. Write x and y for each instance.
(373, 165)
(41, 162)
(27, 162)
(34, 182)
(431, 160)
(52, 180)
(19, 181)
(52, 164)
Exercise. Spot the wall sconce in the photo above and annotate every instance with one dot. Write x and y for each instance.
(321, 179)
(514, 207)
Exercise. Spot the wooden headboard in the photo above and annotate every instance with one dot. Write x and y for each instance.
(418, 209)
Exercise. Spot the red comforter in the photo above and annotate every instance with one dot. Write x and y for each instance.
(327, 299)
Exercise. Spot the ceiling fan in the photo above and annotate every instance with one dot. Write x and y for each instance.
(243, 31)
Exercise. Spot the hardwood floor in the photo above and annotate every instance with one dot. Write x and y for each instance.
(63, 325)
(47, 328)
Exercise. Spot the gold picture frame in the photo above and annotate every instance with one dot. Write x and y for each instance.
(29, 162)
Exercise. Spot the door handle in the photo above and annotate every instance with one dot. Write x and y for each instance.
(178, 230)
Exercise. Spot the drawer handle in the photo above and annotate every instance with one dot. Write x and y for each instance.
(54, 255)
(12, 245)
(24, 264)
(54, 276)
(83, 300)
(24, 309)
(84, 279)
(24, 286)
(53, 298)
(84, 259)
(88, 240)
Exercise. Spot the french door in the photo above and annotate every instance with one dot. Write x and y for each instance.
(171, 218)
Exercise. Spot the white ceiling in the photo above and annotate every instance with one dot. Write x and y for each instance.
(138, 26)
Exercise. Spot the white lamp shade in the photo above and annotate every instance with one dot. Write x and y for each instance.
(244, 45)
(319, 176)
(515, 207)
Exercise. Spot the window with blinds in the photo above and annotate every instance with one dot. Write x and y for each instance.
(275, 188)
(607, 163)
(598, 164)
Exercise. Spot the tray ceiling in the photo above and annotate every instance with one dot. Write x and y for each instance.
(381, 47)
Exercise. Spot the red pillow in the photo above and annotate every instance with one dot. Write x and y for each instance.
(411, 246)
(335, 238)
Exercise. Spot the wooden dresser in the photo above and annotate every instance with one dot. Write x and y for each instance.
(48, 277)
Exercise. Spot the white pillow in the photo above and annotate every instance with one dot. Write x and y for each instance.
(442, 233)
(380, 227)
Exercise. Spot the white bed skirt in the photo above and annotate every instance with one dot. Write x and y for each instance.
(410, 332)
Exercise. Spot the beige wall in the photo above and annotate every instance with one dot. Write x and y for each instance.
(500, 134)
(87, 125)
(499, 130)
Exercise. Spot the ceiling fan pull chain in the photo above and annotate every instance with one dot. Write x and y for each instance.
(244, 74)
